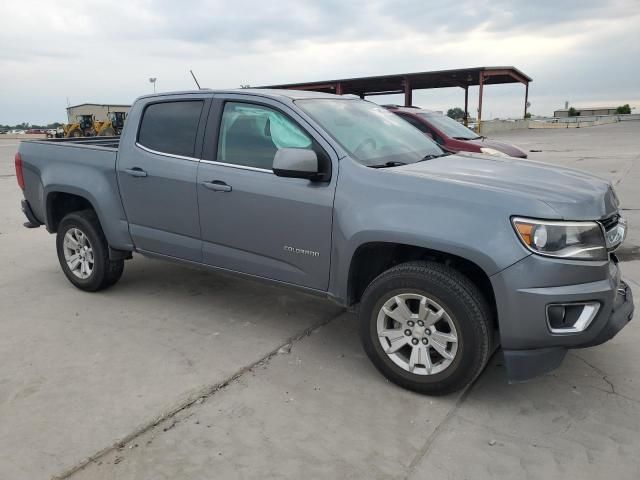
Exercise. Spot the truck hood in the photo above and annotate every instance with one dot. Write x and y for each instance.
(575, 195)
(507, 148)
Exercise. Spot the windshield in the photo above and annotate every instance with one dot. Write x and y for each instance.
(369, 133)
(449, 126)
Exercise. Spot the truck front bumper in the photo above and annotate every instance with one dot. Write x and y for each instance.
(525, 291)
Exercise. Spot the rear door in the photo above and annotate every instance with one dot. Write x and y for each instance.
(253, 221)
(157, 173)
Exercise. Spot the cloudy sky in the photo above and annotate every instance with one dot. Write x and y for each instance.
(583, 51)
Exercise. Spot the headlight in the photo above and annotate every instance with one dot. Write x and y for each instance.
(616, 235)
(574, 240)
(493, 151)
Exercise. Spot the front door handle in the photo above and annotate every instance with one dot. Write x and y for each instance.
(136, 172)
(217, 186)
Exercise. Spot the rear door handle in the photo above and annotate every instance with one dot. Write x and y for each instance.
(136, 172)
(217, 186)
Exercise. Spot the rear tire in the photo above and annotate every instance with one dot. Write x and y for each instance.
(426, 327)
(83, 252)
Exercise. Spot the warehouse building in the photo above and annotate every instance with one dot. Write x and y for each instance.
(98, 110)
(587, 111)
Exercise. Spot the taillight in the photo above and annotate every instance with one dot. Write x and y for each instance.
(19, 176)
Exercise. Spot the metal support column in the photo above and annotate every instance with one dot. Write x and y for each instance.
(480, 102)
(408, 101)
(466, 106)
(339, 88)
(526, 98)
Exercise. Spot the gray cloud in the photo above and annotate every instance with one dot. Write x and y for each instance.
(105, 51)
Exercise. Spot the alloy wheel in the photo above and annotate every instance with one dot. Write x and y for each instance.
(78, 253)
(417, 334)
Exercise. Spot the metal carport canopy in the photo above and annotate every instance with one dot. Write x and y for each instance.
(405, 83)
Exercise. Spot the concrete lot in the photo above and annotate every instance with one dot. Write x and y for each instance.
(179, 374)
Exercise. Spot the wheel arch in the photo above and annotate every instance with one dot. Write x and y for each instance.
(59, 200)
(59, 203)
(372, 258)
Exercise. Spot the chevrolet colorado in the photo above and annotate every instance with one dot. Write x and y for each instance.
(444, 258)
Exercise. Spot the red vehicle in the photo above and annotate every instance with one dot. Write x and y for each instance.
(452, 135)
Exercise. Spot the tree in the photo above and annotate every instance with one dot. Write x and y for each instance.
(456, 113)
(527, 115)
(573, 112)
(623, 109)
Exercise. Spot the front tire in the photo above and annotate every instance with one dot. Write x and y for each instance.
(426, 327)
(83, 252)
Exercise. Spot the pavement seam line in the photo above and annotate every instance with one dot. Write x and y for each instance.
(426, 448)
(193, 399)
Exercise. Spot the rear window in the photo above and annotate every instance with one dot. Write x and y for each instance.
(171, 127)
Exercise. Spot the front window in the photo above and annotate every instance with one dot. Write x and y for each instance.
(449, 126)
(250, 135)
(370, 134)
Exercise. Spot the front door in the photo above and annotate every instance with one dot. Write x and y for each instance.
(157, 174)
(253, 221)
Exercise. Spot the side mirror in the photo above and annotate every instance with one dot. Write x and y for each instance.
(296, 163)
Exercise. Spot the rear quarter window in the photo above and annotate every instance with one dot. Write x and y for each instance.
(171, 127)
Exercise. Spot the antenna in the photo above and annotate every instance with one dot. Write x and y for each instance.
(195, 79)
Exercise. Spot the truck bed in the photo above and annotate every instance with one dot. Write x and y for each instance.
(74, 166)
(94, 142)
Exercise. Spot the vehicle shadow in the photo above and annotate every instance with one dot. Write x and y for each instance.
(200, 294)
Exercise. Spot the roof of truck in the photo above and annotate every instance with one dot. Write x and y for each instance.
(266, 92)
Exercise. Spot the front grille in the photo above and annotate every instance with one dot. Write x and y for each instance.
(610, 222)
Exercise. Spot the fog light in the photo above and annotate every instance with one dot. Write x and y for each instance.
(566, 318)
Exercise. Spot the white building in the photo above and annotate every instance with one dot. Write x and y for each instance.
(99, 110)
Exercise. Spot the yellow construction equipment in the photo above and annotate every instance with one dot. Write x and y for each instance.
(82, 127)
(112, 126)
(88, 126)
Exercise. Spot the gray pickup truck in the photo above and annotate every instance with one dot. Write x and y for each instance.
(444, 256)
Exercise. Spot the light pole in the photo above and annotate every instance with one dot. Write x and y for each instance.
(153, 80)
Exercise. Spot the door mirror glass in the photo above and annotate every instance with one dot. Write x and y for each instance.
(296, 163)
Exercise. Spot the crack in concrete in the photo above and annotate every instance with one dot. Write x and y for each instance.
(612, 388)
(194, 399)
(600, 372)
(627, 170)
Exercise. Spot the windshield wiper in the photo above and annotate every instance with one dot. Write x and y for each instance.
(431, 156)
(388, 164)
